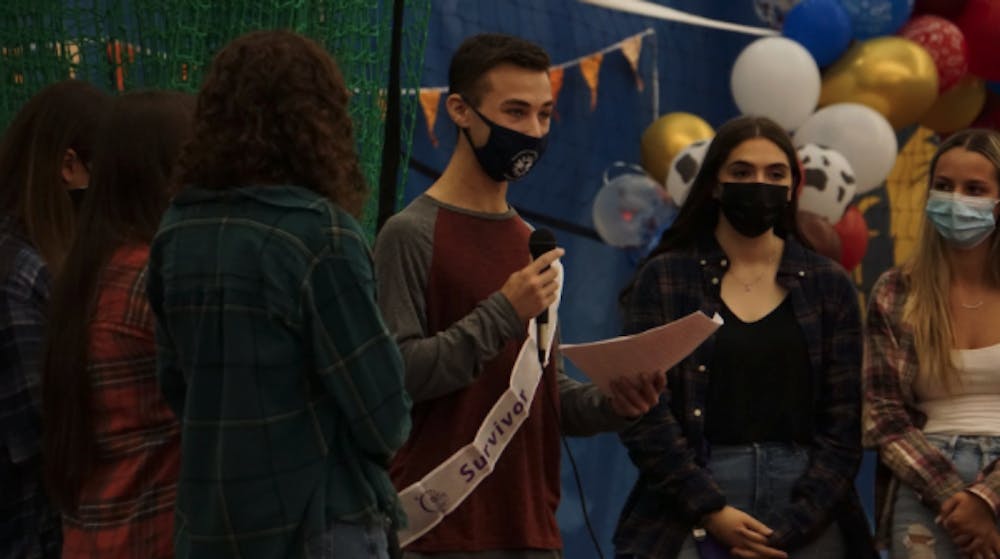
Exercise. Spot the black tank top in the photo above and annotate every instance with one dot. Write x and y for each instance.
(760, 383)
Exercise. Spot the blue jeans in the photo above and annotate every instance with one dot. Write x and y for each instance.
(757, 479)
(347, 540)
(914, 533)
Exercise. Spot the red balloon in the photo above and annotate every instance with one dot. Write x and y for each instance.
(944, 41)
(944, 8)
(853, 232)
(820, 234)
(980, 23)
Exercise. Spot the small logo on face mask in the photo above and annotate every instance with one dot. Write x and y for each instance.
(523, 162)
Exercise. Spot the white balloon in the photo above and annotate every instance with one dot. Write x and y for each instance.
(777, 78)
(860, 134)
(829, 183)
(683, 169)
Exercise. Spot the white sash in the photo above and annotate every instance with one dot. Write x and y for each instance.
(429, 500)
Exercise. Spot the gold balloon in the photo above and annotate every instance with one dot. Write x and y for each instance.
(666, 137)
(958, 107)
(892, 75)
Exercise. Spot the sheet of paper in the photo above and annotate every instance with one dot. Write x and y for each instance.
(654, 350)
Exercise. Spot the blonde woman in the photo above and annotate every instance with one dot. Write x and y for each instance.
(932, 365)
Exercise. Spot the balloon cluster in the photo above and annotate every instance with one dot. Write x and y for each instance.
(926, 62)
(886, 65)
(844, 77)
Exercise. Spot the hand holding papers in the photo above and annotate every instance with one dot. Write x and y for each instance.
(654, 350)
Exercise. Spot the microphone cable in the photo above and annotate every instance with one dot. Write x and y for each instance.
(579, 484)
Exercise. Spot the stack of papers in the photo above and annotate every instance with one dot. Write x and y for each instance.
(652, 351)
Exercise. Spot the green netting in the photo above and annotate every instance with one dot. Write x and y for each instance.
(127, 44)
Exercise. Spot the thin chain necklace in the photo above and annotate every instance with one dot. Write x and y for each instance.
(970, 306)
(749, 285)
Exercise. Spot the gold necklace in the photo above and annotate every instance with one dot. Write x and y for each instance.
(974, 306)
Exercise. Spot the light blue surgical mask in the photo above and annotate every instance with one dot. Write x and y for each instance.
(964, 221)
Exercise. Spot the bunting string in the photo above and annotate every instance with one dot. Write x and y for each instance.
(650, 9)
(589, 66)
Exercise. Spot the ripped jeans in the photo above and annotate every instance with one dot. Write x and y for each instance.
(915, 535)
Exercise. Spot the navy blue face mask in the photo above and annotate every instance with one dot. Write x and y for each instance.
(507, 155)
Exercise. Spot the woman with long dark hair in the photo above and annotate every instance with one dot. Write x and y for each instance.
(111, 446)
(44, 161)
(754, 446)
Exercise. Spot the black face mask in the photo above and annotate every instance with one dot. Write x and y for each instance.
(76, 196)
(752, 208)
(507, 155)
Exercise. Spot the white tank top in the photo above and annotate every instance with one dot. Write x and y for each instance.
(973, 406)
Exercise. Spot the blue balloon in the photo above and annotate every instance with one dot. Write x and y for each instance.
(873, 18)
(632, 210)
(822, 27)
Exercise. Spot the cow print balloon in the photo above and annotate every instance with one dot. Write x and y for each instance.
(683, 169)
(829, 183)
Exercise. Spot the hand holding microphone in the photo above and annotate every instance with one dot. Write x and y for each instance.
(533, 288)
(541, 245)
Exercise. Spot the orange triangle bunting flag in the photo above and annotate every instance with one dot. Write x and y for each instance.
(590, 67)
(429, 101)
(556, 78)
(631, 48)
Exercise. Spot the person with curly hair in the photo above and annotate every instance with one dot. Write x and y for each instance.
(272, 352)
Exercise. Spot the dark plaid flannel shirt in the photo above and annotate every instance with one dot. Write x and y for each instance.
(668, 445)
(29, 527)
(274, 356)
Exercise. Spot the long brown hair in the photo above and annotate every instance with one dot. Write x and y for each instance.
(132, 174)
(700, 213)
(60, 117)
(273, 110)
(926, 309)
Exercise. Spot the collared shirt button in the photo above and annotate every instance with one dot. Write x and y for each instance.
(802, 274)
(715, 281)
(703, 262)
(701, 368)
(724, 262)
(697, 412)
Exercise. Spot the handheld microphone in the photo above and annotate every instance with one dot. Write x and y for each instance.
(540, 242)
